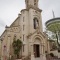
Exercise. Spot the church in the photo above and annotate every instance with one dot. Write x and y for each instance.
(28, 28)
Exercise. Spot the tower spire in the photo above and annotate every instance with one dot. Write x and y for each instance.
(53, 14)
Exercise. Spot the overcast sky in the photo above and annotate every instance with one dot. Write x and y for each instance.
(9, 10)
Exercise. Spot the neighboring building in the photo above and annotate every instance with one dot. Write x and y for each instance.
(53, 25)
(28, 28)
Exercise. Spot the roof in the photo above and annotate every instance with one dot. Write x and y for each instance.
(51, 20)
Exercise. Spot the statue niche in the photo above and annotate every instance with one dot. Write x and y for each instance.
(36, 23)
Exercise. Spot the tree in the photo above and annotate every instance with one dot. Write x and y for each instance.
(55, 28)
(17, 44)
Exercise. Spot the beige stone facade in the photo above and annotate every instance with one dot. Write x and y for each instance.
(28, 28)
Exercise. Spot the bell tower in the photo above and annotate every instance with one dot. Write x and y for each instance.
(34, 15)
(33, 3)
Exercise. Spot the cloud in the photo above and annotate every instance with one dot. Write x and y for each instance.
(9, 10)
(1, 30)
(2, 23)
(2, 26)
(47, 6)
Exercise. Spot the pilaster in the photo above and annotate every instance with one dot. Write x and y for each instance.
(32, 53)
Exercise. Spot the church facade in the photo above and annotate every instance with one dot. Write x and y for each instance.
(28, 28)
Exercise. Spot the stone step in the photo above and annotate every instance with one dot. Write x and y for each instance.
(37, 58)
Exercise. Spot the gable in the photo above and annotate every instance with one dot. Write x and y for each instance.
(15, 23)
(37, 33)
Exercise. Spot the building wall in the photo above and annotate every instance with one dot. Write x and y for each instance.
(23, 29)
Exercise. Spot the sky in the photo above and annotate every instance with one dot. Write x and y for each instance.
(9, 10)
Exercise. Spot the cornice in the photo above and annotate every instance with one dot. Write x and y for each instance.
(35, 8)
(30, 6)
(24, 10)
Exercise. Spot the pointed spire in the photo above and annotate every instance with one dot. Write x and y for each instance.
(53, 14)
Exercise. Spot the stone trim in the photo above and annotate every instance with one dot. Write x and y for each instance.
(30, 6)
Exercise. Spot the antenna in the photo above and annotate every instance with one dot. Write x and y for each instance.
(53, 14)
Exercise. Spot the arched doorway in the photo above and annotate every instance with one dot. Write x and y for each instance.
(36, 48)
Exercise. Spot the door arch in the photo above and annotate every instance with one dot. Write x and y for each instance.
(36, 48)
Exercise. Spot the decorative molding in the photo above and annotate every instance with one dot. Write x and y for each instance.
(35, 8)
(38, 32)
(30, 6)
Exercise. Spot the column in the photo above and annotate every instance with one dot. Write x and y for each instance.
(43, 52)
(8, 46)
(32, 52)
(42, 56)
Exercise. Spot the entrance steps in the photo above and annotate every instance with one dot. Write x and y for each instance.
(37, 58)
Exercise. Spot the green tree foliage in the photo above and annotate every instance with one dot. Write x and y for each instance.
(54, 27)
(17, 44)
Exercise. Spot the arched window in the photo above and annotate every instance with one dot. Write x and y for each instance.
(36, 23)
